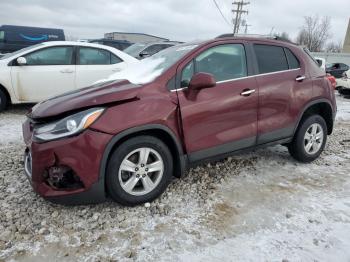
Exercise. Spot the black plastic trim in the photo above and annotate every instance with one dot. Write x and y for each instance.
(239, 151)
(276, 134)
(94, 195)
(221, 149)
(306, 107)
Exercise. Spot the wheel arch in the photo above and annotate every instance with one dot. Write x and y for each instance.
(161, 132)
(322, 107)
(2, 88)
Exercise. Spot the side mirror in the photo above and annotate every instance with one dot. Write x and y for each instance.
(319, 62)
(201, 80)
(144, 54)
(21, 60)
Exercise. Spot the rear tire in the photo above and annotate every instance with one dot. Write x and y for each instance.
(3, 101)
(129, 178)
(309, 140)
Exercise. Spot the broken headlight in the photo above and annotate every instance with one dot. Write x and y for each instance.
(68, 126)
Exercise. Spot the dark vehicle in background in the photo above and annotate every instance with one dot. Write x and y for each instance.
(13, 38)
(143, 50)
(337, 69)
(118, 44)
(125, 138)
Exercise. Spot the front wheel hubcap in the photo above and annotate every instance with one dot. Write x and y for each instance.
(141, 171)
(313, 139)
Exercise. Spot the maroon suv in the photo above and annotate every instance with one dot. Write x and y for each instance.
(189, 103)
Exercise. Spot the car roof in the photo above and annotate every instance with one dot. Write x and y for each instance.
(158, 43)
(264, 40)
(117, 52)
(75, 43)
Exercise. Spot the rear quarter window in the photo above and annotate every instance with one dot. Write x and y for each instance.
(293, 62)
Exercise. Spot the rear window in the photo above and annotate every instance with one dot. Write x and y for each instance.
(270, 58)
(293, 62)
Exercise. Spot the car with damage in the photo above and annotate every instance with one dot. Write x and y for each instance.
(129, 135)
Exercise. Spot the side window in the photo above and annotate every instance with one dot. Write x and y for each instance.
(2, 36)
(115, 59)
(51, 56)
(165, 46)
(270, 58)
(187, 74)
(224, 62)
(293, 62)
(93, 56)
(344, 66)
(151, 50)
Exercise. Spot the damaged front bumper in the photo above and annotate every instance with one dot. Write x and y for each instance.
(66, 171)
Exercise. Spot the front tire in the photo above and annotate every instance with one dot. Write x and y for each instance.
(139, 170)
(309, 140)
(3, 101)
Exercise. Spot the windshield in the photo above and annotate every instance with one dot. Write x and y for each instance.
(135, 49)
(148, 69)
(20, 51)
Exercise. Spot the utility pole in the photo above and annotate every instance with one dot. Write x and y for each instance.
(245, 25)
(237, 14)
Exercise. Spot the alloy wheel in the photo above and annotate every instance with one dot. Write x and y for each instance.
(313, 139)
(141, 171)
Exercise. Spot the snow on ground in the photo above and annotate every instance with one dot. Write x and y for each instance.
(11, 124)
(343, 105)
(258, 206)
(286, 211)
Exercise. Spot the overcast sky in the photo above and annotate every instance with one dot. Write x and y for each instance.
(175, 19)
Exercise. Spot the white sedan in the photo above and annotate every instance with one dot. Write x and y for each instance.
(343, 84)
(45, 70)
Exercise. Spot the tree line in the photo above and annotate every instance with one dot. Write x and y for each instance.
(315, 34)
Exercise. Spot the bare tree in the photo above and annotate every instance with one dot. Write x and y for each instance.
(333, 47)
(315, 32)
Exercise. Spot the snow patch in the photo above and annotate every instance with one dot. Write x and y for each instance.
(343, 106)
(11, 128)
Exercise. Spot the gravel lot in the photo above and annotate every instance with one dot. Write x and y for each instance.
(252, 207)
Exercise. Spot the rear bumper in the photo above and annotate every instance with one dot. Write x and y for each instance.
(82, 154)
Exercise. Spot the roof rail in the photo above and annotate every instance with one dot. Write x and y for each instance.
(272, 37)
(243, 35)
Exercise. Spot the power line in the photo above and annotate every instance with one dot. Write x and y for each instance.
(238, 12)
(217, 6)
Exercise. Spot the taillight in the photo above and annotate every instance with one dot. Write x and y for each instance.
(332, 80)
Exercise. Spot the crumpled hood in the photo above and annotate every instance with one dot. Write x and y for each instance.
(96, 95)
